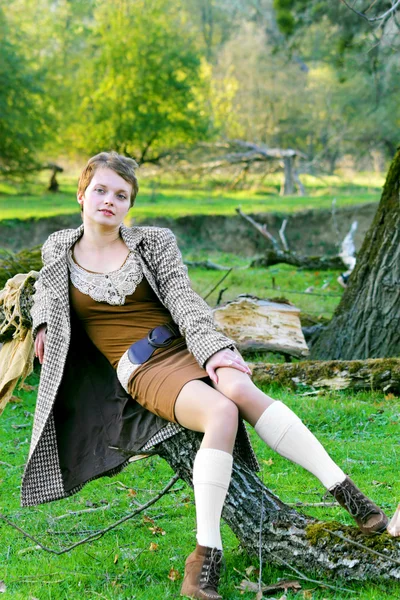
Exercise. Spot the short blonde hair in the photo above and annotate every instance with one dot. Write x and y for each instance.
(122, 165)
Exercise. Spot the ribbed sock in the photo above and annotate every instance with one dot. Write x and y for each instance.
(284, 432)
(212, 471)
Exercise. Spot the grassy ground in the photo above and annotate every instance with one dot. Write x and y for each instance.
(360, 431)
(321, 298)
(189, 197)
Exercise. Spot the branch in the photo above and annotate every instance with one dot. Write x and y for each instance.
(98, 534)
(372, 19)
(260, 228)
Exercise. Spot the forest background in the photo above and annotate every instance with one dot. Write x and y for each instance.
(175, 85)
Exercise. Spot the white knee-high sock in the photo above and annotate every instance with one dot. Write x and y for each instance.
(284, 432)
(212, 471)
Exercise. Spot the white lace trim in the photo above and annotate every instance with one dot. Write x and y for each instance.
(110, 287)
(125, 369)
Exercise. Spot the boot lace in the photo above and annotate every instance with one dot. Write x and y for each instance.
(211, 569)
(356, 502)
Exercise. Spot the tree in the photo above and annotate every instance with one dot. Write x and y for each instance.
(367, 321)
(141, 89)
(24, 123)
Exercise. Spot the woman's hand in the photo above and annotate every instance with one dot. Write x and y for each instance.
(40, 342)
(225, 358)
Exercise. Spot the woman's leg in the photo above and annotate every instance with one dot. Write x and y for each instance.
(280, 428)
(201, 408)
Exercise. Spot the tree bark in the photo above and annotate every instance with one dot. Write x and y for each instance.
(286, 535)
(366, 322)
(314, 263)
(374, 374)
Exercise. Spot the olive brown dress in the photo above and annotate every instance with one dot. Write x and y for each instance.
(119, 308)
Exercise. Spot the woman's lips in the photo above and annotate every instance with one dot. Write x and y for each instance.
(106, 212)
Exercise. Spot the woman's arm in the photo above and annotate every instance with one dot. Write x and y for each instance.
(191, 313)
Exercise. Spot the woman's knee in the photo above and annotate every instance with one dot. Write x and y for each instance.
(224, 414)
(237, 389)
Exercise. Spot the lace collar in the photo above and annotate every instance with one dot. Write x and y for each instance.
(112, 287)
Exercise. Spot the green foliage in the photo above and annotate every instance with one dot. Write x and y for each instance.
(24, 122)
(140, 91)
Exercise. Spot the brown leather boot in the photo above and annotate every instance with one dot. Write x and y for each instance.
(368, 516)
(202, 570)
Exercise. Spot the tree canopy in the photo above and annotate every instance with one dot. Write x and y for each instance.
(147, 77)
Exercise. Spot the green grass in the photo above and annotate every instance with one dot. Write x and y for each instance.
(289, 282)
(177, 198)
(360, 431)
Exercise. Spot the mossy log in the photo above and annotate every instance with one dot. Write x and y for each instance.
(366, 322)
(287, 535)
(21, 262)
(374, 374)
(313, 263)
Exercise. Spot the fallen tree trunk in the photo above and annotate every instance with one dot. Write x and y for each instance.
(313, 263)
(257, 324)
(287, 536)
(374, 374)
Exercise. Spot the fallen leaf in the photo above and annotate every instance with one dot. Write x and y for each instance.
(115, 559)
(390, 396)
(3, 587)
(153, 547)
(28, 388)
(147, 519)
(15, 400)
(157, 530)
(173, 574)
(248, 586)
(307, 595)
(381, 483)
(268, 462)
(132, 493)
(249, 570)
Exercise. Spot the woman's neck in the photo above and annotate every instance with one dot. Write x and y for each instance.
(99, 238)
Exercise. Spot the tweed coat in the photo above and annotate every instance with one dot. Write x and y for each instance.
(156, 250)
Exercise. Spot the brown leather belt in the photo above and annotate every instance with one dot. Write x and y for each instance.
(159, 337)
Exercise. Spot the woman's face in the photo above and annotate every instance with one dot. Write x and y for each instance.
(106, 200)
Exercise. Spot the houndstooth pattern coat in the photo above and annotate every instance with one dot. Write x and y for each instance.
(156, 250)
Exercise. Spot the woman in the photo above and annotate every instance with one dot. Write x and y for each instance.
(115, 284)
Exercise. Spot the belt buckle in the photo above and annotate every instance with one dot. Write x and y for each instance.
(155, 344)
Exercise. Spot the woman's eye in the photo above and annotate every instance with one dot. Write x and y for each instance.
(99, 190)
(121, 196)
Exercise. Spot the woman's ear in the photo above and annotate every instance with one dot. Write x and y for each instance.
(79, 198)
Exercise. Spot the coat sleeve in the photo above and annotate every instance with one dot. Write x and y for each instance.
(40, 301)
(189, 311)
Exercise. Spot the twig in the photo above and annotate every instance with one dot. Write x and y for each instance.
(274, 289)
(217, 285)
(345, 539)
(220, 294)
(372, 19)
(302, 576)
(260, 228)
(260, 541)
(313, 504)
(5, 464)
(81, 512)
(98, 534)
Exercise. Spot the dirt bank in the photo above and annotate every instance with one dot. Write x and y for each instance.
(308, 232)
